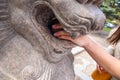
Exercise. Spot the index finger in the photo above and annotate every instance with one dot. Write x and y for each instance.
(57, 26)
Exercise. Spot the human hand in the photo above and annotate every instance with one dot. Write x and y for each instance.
(80, 41)
(99, 68)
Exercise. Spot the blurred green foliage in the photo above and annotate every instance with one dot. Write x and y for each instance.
(111, 8)
(107, 29)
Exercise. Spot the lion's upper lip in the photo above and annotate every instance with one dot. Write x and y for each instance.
(72, 26)
(71, 23)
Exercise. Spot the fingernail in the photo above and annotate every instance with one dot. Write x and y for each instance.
(53, 26)
(55, 34)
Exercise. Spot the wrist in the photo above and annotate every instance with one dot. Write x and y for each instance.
(87, 41)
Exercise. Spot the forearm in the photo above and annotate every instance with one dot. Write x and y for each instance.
(108, 62)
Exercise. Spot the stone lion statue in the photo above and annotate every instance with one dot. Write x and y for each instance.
(28, 50)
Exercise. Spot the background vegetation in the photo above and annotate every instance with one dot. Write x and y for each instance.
(111, 8)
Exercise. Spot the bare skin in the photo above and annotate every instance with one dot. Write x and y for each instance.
(108, 62)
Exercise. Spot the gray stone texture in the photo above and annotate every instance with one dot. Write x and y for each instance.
(28, 50)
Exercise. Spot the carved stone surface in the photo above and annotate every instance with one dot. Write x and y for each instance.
(28, 50)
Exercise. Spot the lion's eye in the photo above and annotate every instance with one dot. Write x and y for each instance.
(82, 1)
(98, 2)
(86, 1)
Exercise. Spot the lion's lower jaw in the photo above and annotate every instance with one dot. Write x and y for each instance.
(25, 63)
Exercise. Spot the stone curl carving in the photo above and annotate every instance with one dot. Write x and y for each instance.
(28, 50)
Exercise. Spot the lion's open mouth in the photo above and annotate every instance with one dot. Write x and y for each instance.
(45, 19)
(47, 15)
